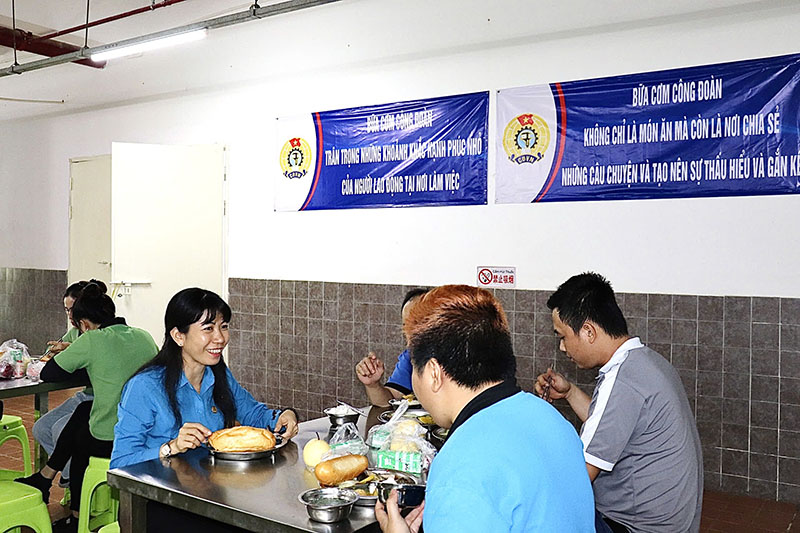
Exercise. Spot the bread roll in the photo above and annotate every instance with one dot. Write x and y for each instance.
(334, 471)
(242, 439)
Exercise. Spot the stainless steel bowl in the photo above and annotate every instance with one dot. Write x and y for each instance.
(339, 420)
(328, 505)
(408, 495)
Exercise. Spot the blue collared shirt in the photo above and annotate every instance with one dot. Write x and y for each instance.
(401, 377)
(145, 420)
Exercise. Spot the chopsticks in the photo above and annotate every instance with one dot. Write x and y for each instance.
(546, 389)
(50, 347)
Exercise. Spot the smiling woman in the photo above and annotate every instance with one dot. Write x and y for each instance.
(188, 380)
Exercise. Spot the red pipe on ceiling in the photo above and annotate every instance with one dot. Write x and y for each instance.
(112, 18)
(44, 47)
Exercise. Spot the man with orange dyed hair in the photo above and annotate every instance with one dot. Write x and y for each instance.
(511, 462)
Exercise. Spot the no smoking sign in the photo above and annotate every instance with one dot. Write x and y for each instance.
(503, 277)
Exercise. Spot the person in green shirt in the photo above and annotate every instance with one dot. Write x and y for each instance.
(110, 351)
(48, 428)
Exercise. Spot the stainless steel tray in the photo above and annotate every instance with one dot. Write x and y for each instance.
(413, 414)
(280, 442)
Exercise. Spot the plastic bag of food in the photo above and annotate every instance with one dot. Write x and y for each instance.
(346, 441)
(8, 347)
(401, 444)
(15, 353)
(34, 369)
(381, 434)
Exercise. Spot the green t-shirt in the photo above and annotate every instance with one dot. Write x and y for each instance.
(71, 336)
(110, 356)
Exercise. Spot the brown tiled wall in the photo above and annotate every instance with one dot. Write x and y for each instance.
(295, 343)
(31, 306)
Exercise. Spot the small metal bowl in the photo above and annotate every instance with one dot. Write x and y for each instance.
(328, 505)
(340, 420)
(408, 495)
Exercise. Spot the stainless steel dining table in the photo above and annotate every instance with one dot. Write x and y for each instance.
(259, 495)
(11, 388)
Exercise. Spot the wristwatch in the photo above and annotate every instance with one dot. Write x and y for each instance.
(165, 450)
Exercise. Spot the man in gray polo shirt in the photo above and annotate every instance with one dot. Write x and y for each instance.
(639, 435)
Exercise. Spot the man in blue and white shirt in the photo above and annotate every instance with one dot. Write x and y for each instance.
(640, 440)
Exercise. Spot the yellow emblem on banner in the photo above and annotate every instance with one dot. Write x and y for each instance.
(295, 158)
(526, 138)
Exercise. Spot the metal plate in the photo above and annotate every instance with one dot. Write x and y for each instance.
(280, 442)
(414, 414)
(440, 433)
(412, 404)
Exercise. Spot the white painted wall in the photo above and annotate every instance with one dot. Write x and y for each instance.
(360, 52)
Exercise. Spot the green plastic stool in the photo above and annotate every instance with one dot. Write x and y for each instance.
(21, 505)
(110, 528)
(99, 501)
(11, 428)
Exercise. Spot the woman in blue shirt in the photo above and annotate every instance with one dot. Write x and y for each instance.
(186, 392)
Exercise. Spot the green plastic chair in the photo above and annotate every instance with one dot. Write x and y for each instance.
(99, 501)
(21, 505)
(11, 428)
(110, 528)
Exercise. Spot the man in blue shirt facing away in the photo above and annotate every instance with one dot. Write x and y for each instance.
(511, 463)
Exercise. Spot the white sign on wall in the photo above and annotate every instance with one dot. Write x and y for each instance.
(502, 277)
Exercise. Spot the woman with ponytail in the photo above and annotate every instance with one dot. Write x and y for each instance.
(48, 428)
(186, 392)
(110, 351)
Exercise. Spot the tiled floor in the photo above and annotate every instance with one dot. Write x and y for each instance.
(731, 513)
(722, 513)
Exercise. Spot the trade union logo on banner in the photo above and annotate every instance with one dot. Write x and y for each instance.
(295, 158)
(526, 138)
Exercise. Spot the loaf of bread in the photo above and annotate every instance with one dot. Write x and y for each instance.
(334, 471)
(242, 439)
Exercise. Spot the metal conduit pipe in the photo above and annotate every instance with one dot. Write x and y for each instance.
(254, 13)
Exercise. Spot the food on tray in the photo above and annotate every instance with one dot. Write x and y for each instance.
(410, 398)
(334, 471)
(313, 452)
(425, 419)
(242, 439)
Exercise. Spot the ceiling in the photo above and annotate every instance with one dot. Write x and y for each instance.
(41, 18)
(63, 82)
(368, 33)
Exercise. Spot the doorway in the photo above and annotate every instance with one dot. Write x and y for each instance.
(165, 227)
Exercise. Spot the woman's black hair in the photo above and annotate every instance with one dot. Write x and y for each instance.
(184, 309)
(74, 290)
(94, 305)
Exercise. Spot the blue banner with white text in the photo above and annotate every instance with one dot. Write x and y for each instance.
(716, 130)
(421, 152)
